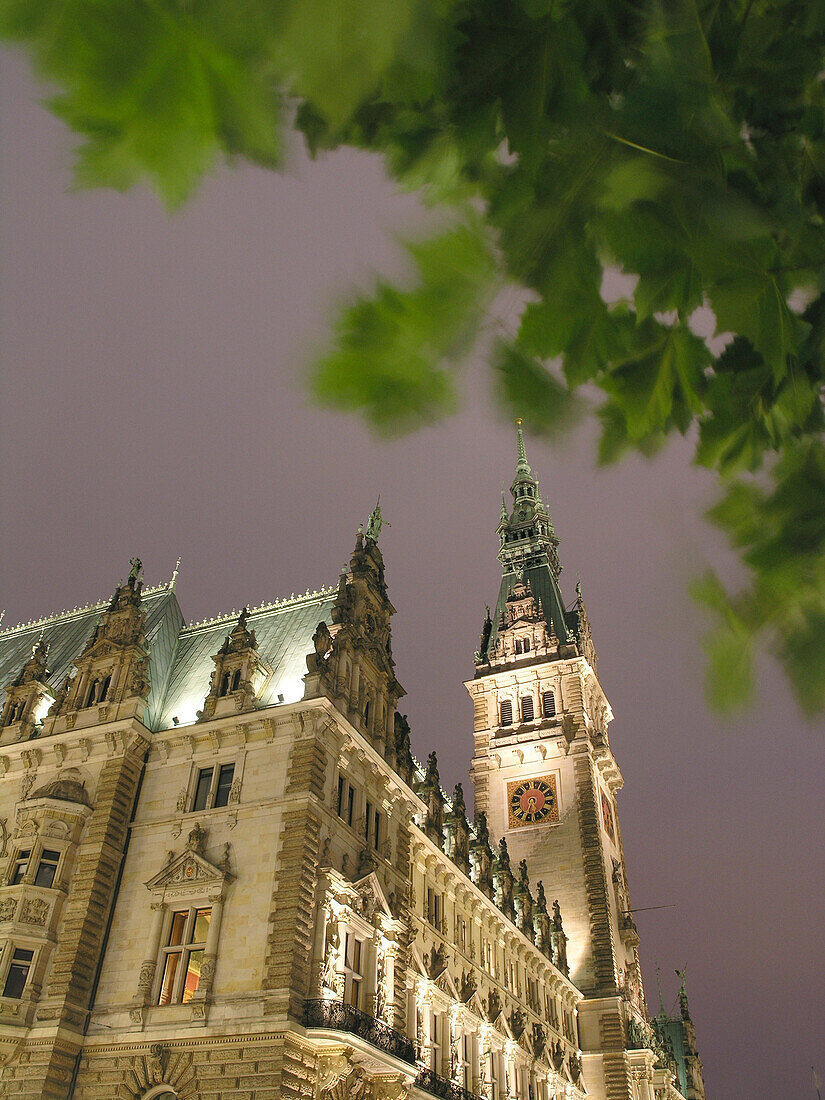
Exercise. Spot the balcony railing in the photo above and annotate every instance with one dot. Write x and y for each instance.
(439, 1086)
(338, 1016)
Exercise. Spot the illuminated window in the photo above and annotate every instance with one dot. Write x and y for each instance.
(46, 868)
(527, 708)
(182, 959)
(21, 865)
(353, 963)
(548, 704)
(213, 787)
(18, 973)
(506, 713)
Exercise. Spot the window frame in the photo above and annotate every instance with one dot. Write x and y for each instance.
(47, 857)
(548, 695)
(354, 969)
(8, 962)
(345, 799)
(527, 708)
(216, 768)
(505, 716)
(183, 951)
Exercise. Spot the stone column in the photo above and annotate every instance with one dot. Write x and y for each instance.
(210, 952)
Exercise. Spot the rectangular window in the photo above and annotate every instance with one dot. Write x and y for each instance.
(18, 973)
(46, 868)
(346, 800)
(225, 776)
(183, 956)
(202, 788)
(21, 865)
(434, 908)
(353, 949)
(461, 933)
(213, 787)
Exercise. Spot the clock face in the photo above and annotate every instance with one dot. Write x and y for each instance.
(533, 801)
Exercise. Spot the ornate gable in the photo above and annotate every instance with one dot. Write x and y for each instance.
(239, 674)
(26, 696)
(114, 665)
(352, 662)
(189, 873)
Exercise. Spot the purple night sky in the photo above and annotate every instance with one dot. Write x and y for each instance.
(153, 404)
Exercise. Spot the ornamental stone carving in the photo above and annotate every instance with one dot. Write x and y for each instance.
(7, 908)
(34, 911)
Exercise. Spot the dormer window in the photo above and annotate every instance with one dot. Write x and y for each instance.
(548, 704)
(518, 646)
(506, 713)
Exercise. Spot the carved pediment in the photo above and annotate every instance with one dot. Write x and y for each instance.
(371, 901)
(188, 869)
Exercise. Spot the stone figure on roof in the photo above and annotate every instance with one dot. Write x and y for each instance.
(375, 522)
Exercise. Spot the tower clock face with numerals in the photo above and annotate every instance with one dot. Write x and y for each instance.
(532, 802)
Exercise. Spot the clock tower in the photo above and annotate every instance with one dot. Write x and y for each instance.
(544, 774)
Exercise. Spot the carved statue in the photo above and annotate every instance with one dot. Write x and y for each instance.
(154, 1063)
(357, 1084)
(322, 640)
(559, 941)
(435, 961)
(541, 921)
(467, 986)
(525, 902)
(375, 523)
(483, 854)
(330, 974)
(493, 1006)
(196, 840)
(136, 569)
(505, 881)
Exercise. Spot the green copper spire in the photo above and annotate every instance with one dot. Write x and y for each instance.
(523, 465)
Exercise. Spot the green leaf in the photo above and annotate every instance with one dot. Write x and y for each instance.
(531, 391)
(395, 352)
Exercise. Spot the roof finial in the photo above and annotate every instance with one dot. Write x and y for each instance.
(523, 465)
(2, 614)
(174, 576)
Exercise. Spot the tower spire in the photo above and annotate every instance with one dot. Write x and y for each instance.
(523, 466)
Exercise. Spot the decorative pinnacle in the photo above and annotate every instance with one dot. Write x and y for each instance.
(174, 576)
(523, 465)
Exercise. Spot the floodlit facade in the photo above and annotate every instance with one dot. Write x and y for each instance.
(224, 875)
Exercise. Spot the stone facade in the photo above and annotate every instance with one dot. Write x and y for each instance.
(224, 875)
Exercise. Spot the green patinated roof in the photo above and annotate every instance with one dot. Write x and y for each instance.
(180, 656)
(284, 635)
(68, 633)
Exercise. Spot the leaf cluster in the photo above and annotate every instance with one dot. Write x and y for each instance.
(679, 141)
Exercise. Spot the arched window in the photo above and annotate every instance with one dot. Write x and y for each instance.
(526, 645)
(548, 704)
(506, 713)
(236, 680)
(104, 689)
(527, 708)
(93, 690)
(518, 645)
(366, 712)
(224, 684)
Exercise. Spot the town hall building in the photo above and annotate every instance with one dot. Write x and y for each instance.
(225, 876)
